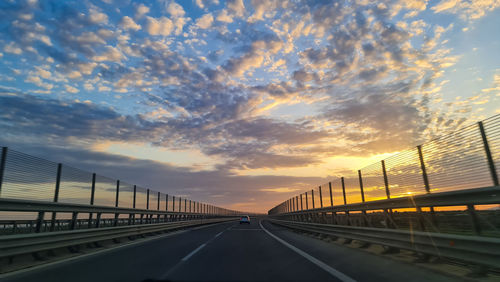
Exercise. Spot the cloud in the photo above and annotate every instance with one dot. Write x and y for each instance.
(71, 89)
(467, 10)
(445, 5)
(141, 10)
(12, 48)
(111, 54)
(224, 16)
(97, 17)
(175, 10)
(205, 21)
(237, 7)
(162, 26)
(128, 23)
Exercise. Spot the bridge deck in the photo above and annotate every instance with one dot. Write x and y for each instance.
(229, 251)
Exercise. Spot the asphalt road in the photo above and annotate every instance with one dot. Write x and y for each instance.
(231, 252)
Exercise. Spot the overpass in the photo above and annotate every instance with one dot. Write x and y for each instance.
(429, 213)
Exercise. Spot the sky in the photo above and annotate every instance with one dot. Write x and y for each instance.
(241, 103)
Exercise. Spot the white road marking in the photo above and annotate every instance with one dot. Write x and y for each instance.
(93, 253)
(335, 273)
(194, 252)
(99, 252)
(184, 259)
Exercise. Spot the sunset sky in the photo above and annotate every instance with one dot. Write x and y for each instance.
(241, 103)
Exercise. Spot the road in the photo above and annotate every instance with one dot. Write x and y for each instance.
(230, 252)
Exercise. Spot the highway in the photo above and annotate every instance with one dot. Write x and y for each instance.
(230, 252)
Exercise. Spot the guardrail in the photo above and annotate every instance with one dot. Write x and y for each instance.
(13, 245)
(32, 189)
(413, 189)
(470, 249)
(95, 216)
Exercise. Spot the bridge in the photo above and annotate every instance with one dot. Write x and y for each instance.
(430, 213)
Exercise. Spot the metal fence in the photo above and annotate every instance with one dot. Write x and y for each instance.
(465, 159)
(27, 177)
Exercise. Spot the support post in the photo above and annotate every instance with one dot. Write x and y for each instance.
(320, 197)
(307, 202)
(117, 192)
(345, 199)
(2, 166)
(361, 186)
(147, 199)
(386, 181)
(331, 195)
(115, 222)
(489, 157)
(166, 202)
(365, 217)
(343, 190)
(92, 196)
(158, 207)
(135, 197)
(74, 218)
(39, 222)
(301, 206)
(56, 195)
(423, 169)
(475, 219)
(312, 197)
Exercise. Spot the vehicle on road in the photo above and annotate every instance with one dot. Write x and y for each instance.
(245, 219)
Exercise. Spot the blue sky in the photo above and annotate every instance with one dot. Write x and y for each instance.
(241, 102)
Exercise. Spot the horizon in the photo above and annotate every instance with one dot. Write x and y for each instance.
(241, 104)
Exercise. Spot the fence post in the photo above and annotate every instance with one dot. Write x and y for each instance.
(491, 163)
(361, 186)
(158, 207)
(307, 202)
(331, 202)
(297, 203)
(92, 196)
(135, 197)
(386, 181)
(147, 199)
(424, 170)
(56, 195)
(365, 217)
(2, 166)
(331, 195)
(345, 200)
(166, 202)
(115, 223)
(180, 204)
(343, 190)
(320, 197)
(312, 197)
(173, 203)
(117, 192)
(185, 205)
(301, 206)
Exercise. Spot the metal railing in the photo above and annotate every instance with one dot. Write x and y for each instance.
(460, 161)
(38, 195)
(439, 199)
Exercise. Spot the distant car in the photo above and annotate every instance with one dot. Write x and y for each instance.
(245, 219)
